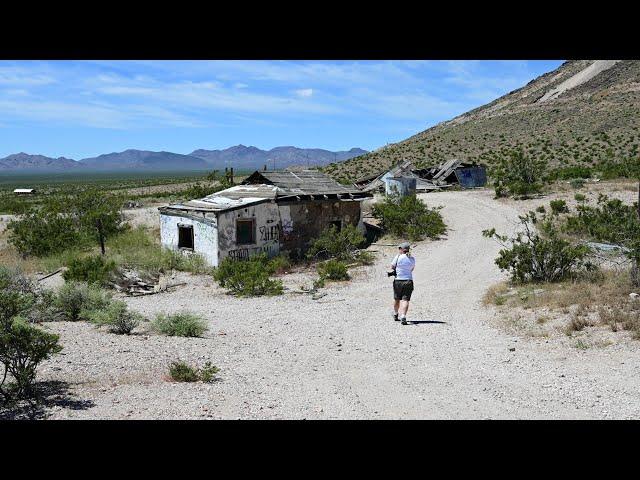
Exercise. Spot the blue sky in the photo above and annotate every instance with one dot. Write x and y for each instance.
(80, 109)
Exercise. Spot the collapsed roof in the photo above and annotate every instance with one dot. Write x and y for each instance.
(268, 186)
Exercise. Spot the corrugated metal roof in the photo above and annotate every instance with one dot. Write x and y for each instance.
(304, 182)
(233, 197)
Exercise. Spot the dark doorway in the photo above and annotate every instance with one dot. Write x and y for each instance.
(185, 236)
(245, 231)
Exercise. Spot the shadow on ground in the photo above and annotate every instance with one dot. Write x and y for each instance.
(45, 396)
(418, 322)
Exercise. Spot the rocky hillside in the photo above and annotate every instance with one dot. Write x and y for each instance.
(586, 112)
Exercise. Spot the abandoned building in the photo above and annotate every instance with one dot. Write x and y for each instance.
(24, 191)
(450, 173)
(270, 212)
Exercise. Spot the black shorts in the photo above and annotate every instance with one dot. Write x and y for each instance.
(402, 289)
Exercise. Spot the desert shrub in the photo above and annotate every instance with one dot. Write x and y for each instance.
(183, 372)
(92, 269)
(88, 215)
(333, 270)
(610, 220)
(183, 324)
(42, 232)
(579, 197)
(558, 206)
(409, 217)
(117, 317)
(518, 175)
(340, 244)
(577, 183)
(76, 301)
(22, 348)
(248, 277)
(541, 209)
(280, 264)
(572, 172)
(532, 257)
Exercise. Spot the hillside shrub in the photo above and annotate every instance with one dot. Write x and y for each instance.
(518, 175)
(183, 324)
(532, 257)
(409, 217)
(558, 207)
(248, 278)
(117, 317)
(333, 270)
(91, 269)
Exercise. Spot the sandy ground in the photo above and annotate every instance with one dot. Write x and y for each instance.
(343, 357)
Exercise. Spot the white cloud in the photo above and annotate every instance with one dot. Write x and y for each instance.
(304, 92)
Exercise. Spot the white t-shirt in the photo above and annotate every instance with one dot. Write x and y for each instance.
(404, 265)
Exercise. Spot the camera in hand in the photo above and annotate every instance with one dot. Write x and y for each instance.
(392, 273)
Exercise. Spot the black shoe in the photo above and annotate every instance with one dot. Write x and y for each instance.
(395, 317)
(404, 321)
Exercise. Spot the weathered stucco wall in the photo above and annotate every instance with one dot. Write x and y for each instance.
(205, 234)
(305, 220)
(267, 231)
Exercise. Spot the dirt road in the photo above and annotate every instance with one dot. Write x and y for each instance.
(343, 356)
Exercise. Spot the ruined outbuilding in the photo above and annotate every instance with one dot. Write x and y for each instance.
(270, 212)
(450, 173)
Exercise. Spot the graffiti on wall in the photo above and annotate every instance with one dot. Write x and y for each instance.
(271, 249)
(269, 233)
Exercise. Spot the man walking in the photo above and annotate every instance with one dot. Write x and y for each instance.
(403, 265)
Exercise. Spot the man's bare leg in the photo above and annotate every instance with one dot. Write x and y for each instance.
(396, 306)
(404, 308)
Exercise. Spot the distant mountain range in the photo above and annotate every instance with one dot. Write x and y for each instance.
(239, 157)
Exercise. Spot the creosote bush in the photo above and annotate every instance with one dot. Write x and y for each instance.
(117, 317)
(91, 269)
(333, 270)
(76, 300)
(22, 346)
(409, 217)
(183, 324)
(533, 256)
(183, 372)
(250, 277)
(518, 175)
(340, 244)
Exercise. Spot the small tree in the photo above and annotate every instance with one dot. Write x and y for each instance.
(99, 214)
(340, 244)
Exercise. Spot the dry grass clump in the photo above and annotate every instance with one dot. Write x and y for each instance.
(600, 299)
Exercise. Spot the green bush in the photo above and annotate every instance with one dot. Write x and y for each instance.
(558, 207)
(579, 197)
(577, 183)
(408, 217)
(531, 257)
(518, 175)
(333, 270)
(340, 244)
(22, 348)
(182, 372)
(89, 215)
(117, 317)
(249, 277)
(92, 269)
(180, 325)
(76, 301)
